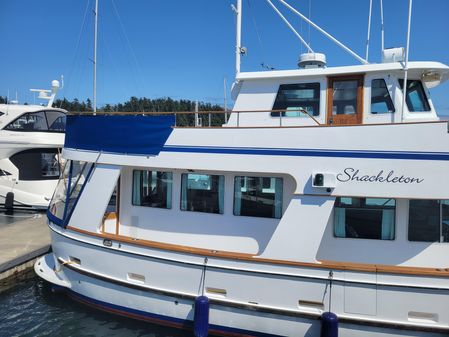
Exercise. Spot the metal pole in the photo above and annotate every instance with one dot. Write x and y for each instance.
(382, 24)
(238, 37)
(404, 87)
(290, 26)
(322, 31)
(225, 100)
(369, 29)
(95, 57)
(197, 122)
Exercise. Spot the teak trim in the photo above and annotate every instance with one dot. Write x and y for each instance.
(324, 264)
(351, 119)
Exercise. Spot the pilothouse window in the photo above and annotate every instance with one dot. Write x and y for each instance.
(297, 98)
(364, 218)
(381, 102)
(68, 190)
(202, 193)
(152, 188)
(258, 196)
(416, 98)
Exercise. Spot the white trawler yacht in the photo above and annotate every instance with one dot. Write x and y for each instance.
(31, 138)
(326, 191)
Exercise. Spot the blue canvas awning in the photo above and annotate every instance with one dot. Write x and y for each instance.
(127, 134)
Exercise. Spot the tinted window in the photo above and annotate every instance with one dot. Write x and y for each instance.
(43, 121)
(258, 196)
(56, 121)
(202, 193)
(380, 98)
(428, 220)
(37, 164)
(416, 98)
(152, 189)
(364, 218)
(297, 97)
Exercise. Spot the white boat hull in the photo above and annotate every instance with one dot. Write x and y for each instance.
(103, 277)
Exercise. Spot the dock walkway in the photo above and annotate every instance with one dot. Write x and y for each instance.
(23, 238)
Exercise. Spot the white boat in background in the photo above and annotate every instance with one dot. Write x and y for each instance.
(31, 139)
(326, 191)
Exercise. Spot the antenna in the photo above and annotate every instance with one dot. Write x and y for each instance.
(404, 87)
(369, 29)
(48, 94)
(382, 25)
(225, 99)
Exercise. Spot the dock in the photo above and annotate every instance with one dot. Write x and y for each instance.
(24, 236)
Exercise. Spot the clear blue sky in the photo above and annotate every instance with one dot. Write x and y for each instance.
(184, 49)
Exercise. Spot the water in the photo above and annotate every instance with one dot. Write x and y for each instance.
(31, 309)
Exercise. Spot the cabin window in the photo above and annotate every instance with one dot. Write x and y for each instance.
(68, 190)
(297, 99)
(364, 218)
(41, 121)
(428, 220)
(202, 193)
(416, 98)
(37, 164)
(152, 188)
(381, 102)
(258, 196)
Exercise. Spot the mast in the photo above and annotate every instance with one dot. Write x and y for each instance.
(95, 57)
(238, 37)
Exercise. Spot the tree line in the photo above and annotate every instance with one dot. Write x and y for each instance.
(143, 104)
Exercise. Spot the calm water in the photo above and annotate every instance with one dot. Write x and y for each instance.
(31, 309)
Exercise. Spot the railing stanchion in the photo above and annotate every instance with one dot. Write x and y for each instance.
(280, 118)
(238, 118)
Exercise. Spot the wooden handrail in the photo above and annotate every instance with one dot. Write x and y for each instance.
(323, 264)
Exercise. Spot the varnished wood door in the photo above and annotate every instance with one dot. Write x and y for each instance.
(345, 100)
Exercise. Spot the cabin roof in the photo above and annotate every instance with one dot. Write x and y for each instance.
(17, 109)
(415, 69)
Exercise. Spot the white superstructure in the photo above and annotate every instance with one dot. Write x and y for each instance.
(321, 193)
(31, 139)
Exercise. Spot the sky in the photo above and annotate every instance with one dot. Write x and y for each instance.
(185, 49)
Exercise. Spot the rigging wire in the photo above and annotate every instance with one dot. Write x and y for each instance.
(256, 28)
(77, 47)
(133, 54)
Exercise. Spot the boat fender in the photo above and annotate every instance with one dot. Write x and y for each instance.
(329, 325)
(9, 201)
(201, 316)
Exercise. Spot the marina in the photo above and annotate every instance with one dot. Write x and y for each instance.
(317, 206)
